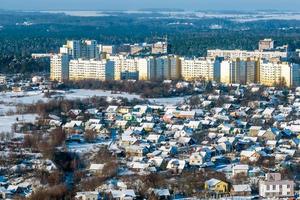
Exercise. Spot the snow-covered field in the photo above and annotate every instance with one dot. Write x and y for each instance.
(234, 16)
(7, 121)
(81, 94)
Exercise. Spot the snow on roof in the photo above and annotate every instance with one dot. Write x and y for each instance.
(240, 167)
(268, 111)
(175, 163)
(72, 124)
(111, 108)
(122, 193)
(242, 188)
(96, 167)
(162, 192)
(212, 182)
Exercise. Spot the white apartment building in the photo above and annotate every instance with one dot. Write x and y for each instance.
(72, 48)
(59, 67)
(125, 68)
(243, 54)
(238, 71)
(86, 49)
(143, 65)
(192, 69)
(91, 70)
(278, 72)
(149, 68)
(274, 187)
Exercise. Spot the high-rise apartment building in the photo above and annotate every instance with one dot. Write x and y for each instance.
(59, 67)
(266, 44)
(201, 68)
(91, 70)
(241, 71)
(175, 67)
(89, 49)
(72, 48)
(125, 68)
(242, 54)
(86, 49)
(275, 72)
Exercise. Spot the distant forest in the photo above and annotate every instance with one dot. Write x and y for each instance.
(187, 37)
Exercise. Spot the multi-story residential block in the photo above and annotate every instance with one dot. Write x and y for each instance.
(175, 67)
(86, 49)
(274, 187)
(202, 68)
(160, 48)
(125, 68)
(149, 68)
(277, 72)
(143, 66)
(89, 49)
(59, 67)
(295, 75)
(266, 44)
(91, 70)
(161, 70)
(243, 54)
(72, 48)
(239, 71)
(108, 49)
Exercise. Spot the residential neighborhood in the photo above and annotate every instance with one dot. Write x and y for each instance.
(230, 142)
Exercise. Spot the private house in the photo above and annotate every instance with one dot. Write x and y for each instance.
(127, 194)
(87, 195)
(249, 155)
(161, 194)
(274, 187)
(74, 127)
(196, 159)
(176, 166)
(240, 169)
(241, 190)
(136, 150)
(96, 168)
(217, 186)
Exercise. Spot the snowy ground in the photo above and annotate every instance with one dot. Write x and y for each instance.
(7, 121)
(86, 147)
(81, 94)
(9, 100)
(168, 101)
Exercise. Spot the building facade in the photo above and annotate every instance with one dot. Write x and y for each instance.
(201, 68)
(59, 67)
(91, 70)
(274, 187)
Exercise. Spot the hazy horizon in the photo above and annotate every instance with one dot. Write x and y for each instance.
(234, 5)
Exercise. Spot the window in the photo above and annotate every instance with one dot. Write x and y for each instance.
(288, 186)
(268, 187)
(274, 187)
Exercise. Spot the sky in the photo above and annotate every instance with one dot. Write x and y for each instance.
(144, 4)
